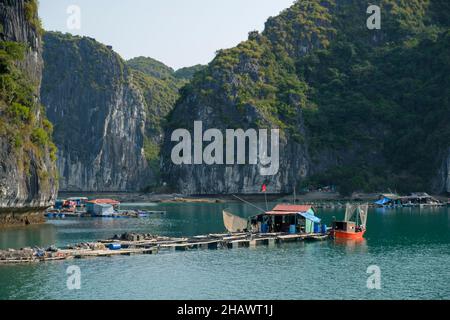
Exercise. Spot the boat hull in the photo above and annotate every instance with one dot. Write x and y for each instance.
(348, 235)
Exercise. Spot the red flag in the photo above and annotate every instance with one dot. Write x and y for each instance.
(264, 188)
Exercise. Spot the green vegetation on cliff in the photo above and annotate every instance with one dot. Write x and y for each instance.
(374, 103)
(18, 107)
(151, 67)
(188, 73)
(32, 16)
(160, 87)
(388, 97)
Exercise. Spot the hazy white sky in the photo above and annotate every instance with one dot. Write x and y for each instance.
(177, 32)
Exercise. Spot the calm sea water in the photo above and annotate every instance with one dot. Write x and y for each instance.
(410, 246)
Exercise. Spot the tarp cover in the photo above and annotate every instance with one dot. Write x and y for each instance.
(234, 223)
(382, 201)
(310, 217)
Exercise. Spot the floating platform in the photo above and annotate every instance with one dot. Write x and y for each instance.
(153, 245)
(57, 214)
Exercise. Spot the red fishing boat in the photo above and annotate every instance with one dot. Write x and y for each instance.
(354, 225)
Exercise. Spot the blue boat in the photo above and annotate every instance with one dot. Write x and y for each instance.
(147, 214)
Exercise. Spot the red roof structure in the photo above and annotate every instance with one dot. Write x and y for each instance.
(287, 209)
(105, 201)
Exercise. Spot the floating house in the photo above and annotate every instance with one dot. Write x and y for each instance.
(105, 210)
(91, 205)
(413, 200)
(420, 199)
(65, 205)
(80, 201)
(58, 204)
(292, 219)
(389, 200)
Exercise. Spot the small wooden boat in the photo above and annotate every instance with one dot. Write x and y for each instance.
(349, 228)
(147, 214)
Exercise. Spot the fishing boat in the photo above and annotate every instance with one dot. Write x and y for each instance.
(354, 224)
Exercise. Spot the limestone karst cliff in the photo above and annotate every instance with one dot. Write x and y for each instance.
(360, 108)
(27, 156)
(98, 114)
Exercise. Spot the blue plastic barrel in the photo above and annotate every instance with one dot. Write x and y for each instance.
(115, 246)
(264, 228)
(316, 228)
(324, 228)
(293, 229)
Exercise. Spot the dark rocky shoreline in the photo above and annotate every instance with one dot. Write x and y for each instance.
(21, 216)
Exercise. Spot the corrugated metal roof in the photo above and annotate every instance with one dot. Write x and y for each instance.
(288, 209)
(104, 201)
(292, 208)
(281, 213)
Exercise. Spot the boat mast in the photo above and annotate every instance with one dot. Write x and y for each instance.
(357, 214)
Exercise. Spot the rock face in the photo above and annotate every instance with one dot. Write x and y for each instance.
(98, 114)
(442, 180)
(27, 171)
(227, 179)
(343, 96)
(234, 92)
(447, 173)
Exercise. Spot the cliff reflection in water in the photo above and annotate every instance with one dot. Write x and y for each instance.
(35, 235)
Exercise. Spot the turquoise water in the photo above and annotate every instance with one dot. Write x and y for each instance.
(410, 246)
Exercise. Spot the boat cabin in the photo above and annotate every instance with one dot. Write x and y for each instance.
(345, 226)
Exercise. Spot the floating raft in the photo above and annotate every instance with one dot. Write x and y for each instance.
(146, 244)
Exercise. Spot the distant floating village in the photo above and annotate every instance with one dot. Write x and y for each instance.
(83, 207)
(418, 199)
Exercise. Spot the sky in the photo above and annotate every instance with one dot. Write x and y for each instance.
(180, 33)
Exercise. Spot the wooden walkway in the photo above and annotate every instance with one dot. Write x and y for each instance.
(157, 244)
